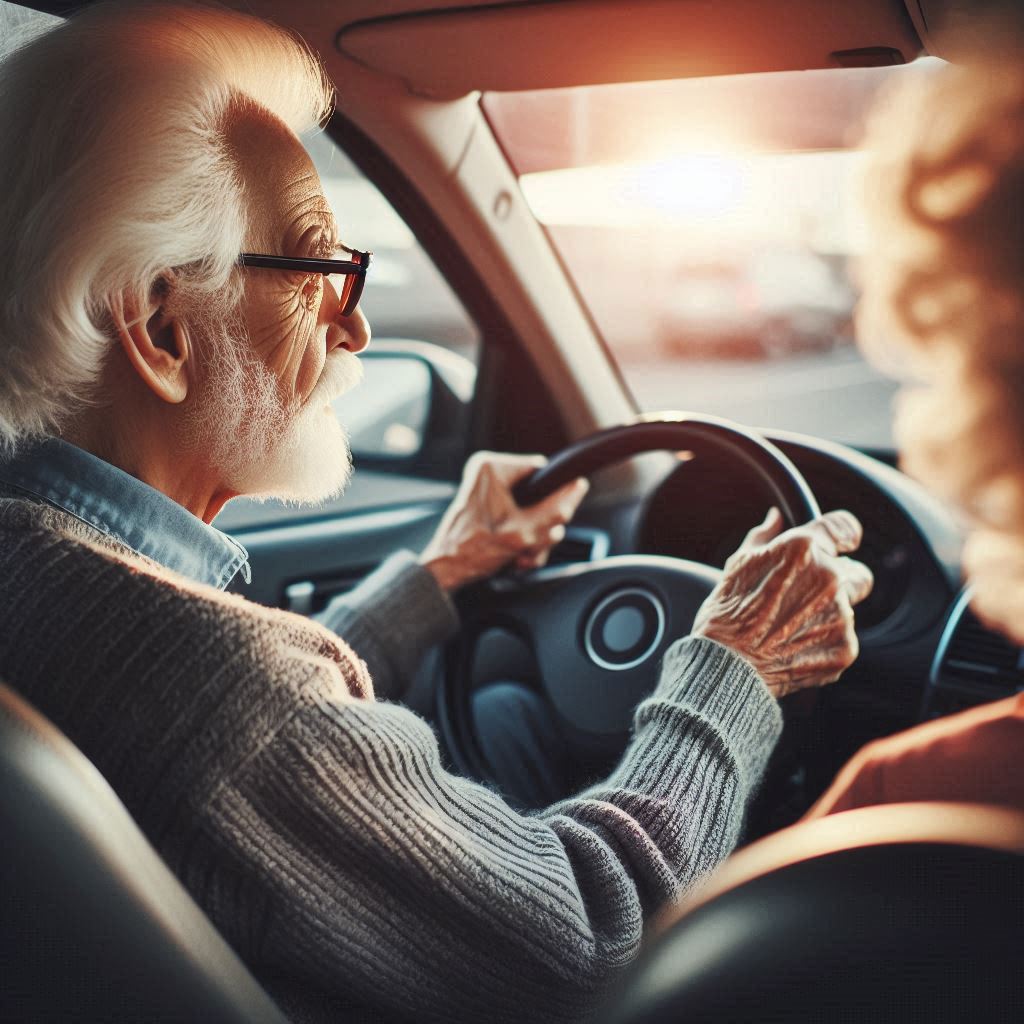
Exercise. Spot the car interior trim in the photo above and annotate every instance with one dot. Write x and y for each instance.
(995, 828)
(450, 52)
(327, 529)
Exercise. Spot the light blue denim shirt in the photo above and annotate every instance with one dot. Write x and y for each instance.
(120, 506)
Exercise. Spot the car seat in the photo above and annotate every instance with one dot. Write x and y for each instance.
(899, 913)
(906, 912)
(93, 925)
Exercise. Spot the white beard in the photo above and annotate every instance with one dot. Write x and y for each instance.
(261, 447)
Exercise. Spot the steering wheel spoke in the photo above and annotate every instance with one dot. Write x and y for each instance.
(597, 630)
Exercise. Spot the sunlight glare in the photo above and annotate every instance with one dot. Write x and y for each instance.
(698, 185)
(743, 197)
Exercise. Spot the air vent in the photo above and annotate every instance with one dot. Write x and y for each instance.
(977, 648)
(972, 658)
(580, 545)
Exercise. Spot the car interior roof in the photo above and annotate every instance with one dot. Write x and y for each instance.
(539, 45)
(446, 50)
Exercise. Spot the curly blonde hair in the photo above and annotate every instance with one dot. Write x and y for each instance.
(944, 300)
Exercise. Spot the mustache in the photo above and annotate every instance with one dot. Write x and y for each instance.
(342, 372)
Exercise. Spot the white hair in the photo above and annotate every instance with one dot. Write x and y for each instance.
(114, 169)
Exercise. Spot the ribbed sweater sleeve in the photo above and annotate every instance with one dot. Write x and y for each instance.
(317, 826)
(391, 619)
(392, 881)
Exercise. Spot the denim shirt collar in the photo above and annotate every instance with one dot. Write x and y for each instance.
(122, 507)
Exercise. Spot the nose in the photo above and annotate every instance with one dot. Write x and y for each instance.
(354, 331)
(349, 332)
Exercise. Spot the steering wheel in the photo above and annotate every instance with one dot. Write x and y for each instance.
(598, 630)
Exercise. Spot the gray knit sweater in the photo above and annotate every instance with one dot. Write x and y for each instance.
(316, 825)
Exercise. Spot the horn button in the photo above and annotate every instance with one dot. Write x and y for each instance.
(624, 629)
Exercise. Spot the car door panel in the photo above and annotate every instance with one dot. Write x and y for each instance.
(300, 562)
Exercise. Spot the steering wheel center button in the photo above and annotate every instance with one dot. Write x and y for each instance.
(624, 629)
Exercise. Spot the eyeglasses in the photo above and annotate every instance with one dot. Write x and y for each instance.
(354, 271)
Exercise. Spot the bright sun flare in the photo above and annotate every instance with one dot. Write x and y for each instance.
(735, 195)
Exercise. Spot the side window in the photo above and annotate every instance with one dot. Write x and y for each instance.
(405, 295)
(407, 421)
(419, 372)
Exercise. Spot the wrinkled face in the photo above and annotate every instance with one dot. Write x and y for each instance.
(292, 320)
(271, 370)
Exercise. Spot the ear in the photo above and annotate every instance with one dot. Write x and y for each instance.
(158, 346)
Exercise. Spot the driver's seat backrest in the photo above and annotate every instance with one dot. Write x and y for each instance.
(907, 912)
(93, 925)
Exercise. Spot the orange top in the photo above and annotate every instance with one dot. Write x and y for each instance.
(976, 756)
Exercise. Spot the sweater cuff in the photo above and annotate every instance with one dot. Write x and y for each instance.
(401, 591)
(724, 689)
(392, 618)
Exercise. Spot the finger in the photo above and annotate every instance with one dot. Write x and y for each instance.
(827, 664)
(517, 540)
(856, 579)
(510, 469)
(527, 539)
(555, 536)
(491, 477)
(821, 635)
(768, 529)
(837, 532)
(991, 553)
(1000, 609)
(503, 472)
(503, 466)
(537, 557)
(561, 506)
(524, 563)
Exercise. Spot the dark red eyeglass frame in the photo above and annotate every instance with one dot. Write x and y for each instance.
(354, 271)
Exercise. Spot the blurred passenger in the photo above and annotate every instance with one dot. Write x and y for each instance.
(944, 305)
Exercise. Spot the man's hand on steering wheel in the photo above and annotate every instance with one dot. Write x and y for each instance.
(785, 603)
(484, 529)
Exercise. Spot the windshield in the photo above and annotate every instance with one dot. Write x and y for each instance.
(713, 227)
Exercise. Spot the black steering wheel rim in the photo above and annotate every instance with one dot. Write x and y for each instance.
(700, 434)
(573, 592)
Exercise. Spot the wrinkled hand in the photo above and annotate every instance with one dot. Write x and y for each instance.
(786, 601)
(485, 530)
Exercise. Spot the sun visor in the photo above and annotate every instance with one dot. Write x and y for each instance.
(515, 46)
(959, 29)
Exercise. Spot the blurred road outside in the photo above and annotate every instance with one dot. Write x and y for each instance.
(828, 394)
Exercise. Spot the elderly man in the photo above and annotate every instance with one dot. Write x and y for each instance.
(148, 374)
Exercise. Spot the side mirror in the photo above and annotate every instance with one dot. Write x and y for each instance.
(410, 414)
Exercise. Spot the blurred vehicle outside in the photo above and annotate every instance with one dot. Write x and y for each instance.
(712, 227)
(770, 304)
